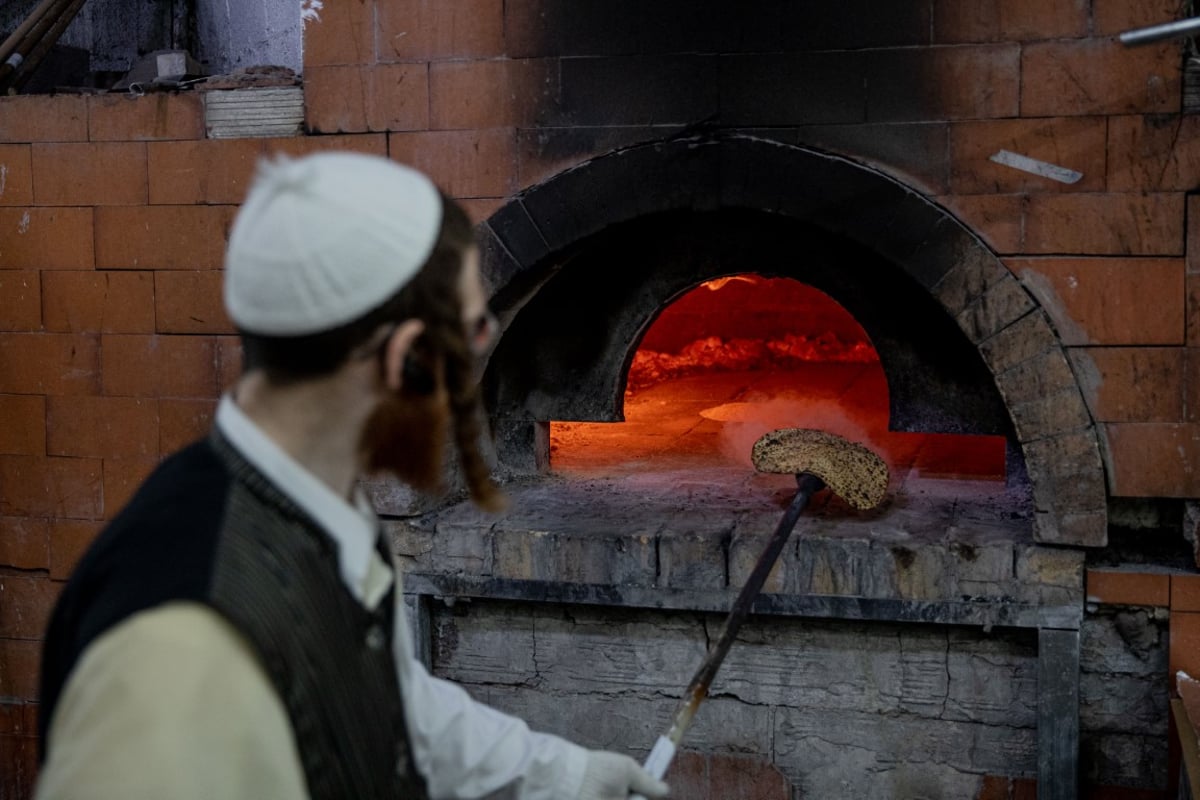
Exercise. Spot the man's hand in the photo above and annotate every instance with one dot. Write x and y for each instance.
(613, 776)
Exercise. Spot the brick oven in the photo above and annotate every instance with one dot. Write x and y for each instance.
(700, 222)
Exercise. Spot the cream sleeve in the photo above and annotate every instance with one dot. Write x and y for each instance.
(170, 703)
(468, 749)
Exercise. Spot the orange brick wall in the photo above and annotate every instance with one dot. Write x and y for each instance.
(114, 211)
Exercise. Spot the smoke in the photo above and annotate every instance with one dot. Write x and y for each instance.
(746, 422)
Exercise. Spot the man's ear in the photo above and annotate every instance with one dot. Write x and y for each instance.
(396, 348)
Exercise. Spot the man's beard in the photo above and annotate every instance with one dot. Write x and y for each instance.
(406, 436)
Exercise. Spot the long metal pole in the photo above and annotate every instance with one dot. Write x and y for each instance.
(1179, 29)
(35, 34)
(664, 749)
(14, 39)
(34, 58)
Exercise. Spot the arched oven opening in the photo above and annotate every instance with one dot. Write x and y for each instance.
(659, 349)
(745, 354)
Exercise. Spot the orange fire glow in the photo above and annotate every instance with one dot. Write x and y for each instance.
(743, 355)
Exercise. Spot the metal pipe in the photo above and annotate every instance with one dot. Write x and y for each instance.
(33, 59)
(30, 41)
(1179, 29)
(14, 39)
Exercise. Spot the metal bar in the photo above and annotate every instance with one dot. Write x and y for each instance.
(34, 58)
(982, 613)
(1058, 714)
(32, 39)
(1179, 29)
(14, 39)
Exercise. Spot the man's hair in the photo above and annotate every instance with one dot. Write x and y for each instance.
(442, 349)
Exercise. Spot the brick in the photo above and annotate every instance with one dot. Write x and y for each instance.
(25, 605)
(1073, 142)
(190, 302)
(23, 432)
(1193, 235)
(335, 99)
(46, 238)
(1153, 459)
(427, 30)
(16, 175)
(1128, 588)
(1105, 224)
(24, 543)
(1099, 76)
(1185, 593)
(1184, 648)
(158, 366)
(229, 361)
(213, 171)
(347, 99)
(1008, 20)
(1191, 386)
(22, 306)
(997, 219)
(462, 163)
(98, 302)
(101, 174)
(18, 753)
(753, 89)
(1103, 301)
(490, 94)
(1192, 287)
(69, 540)
(1111, 17)
(1153, 153)
(746, 777)
(939, 83)
(182, 422)
(50, 487)
(13, 718)
(342, 33)
(1131, 384)
(43, 118)
(373, 144)
(99, 427)
(679, 88)
(480, 210)
(162, 237)
(20, 662)
(148, 117)
(997, 307)
(122, 477)
(48, 363)
(993, 787)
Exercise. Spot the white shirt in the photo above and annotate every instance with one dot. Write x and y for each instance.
(173, 702)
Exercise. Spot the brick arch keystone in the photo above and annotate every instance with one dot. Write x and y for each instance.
(522, 245)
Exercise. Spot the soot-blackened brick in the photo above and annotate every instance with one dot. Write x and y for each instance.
(793, 88)
(915, 151)
(544, 152)
(511, 245)
(621, 185)
(937, 83)
(639, 90)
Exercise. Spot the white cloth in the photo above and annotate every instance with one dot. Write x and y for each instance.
(323, 239)
(117, 729)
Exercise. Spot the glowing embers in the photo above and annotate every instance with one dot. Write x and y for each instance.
(735, 358)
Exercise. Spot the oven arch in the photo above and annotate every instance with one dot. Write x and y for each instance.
(555, 248)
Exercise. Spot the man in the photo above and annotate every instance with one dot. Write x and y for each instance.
(233, 633)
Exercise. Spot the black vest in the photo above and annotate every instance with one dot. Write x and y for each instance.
(208, 527)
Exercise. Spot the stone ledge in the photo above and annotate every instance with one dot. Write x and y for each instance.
(986, 614)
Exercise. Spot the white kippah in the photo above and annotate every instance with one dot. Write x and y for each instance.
(323, 239)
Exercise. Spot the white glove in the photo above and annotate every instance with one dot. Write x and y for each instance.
(613, 776)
